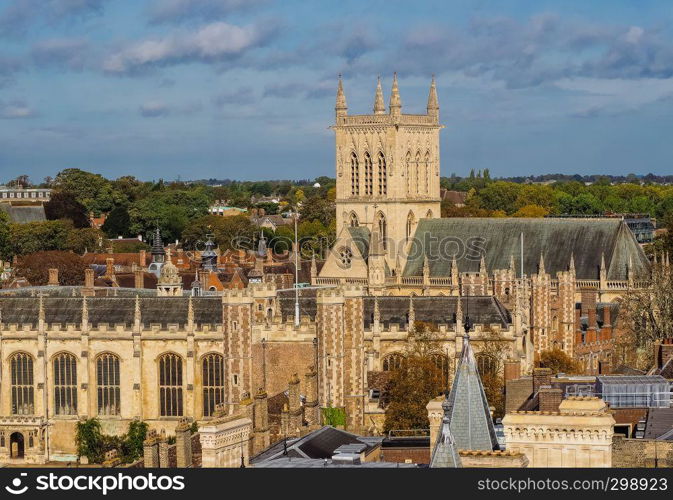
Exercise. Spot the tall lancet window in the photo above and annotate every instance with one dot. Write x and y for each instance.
(426, 166)
(410, 225)
(417, 173)
(23, 390)
(170, 385)
(65, 384)
(213, 383)
(108, 386)
(407, 168)
(369, 175)
(383, 229)
(355, 175)
(383, 175)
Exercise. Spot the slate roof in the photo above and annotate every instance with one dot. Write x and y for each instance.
(437, 310)
(319, 444)
(24, 213)
(445, 454)
(316, 463)
(361, 236)
(556, 239)
(468, 411)
(659, 423)
(111, 310)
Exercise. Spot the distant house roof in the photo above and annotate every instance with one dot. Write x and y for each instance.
(586, 240)
(455, 197)
(22, 214)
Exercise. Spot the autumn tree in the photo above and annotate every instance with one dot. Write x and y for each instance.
(35, 267)
(646, 314)
(558, 361)
(415, 382)
(490, 363)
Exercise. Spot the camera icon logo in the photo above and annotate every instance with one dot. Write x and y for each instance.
(15, 488)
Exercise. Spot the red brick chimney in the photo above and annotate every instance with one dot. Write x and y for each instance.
(512, 369)
(139, 278)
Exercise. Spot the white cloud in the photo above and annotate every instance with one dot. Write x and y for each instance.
(212, 42)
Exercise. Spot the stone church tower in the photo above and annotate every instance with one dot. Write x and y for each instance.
(387, 167)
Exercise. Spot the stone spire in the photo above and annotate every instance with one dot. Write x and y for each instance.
(459, 315)
(261, 246)
(379, 105)
(541, 270)
(426, 270)
(603, 273)
(341, 108)
(629, 270)
(433, 102)
(512, 265)
(482, 266)
(158, 251)
(395, 101)
(377, 312)
(571, 267)
(454, 271)
(467, 407)
(445, 454)
(314, 269)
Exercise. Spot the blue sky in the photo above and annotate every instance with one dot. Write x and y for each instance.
(245, 89)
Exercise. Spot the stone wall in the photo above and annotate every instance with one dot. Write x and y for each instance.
(641, 452)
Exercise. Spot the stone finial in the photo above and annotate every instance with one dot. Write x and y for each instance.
(379, 105)
(512, 265)
(136, 312)
(482, 265)
(377, 312)
(433, 102)
(395, 100)
(85, 311)
(541, 269)
(571, 267)
(190, 311)
(314, 267)
(341, 107)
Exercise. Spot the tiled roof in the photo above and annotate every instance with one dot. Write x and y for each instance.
(556, 239)
(445, 454)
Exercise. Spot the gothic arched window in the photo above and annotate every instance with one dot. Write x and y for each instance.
(170, 385)
(383, 175)
(407, 168)
(355, 175)
(417, 173)
(443, 364)
(107, 384)
(393, 362)
(65, 384)
(410, 225)
(213, 383)
(353, 220)
(487, 365)
(23, 390)
(369, 175)
(426, 176)
(383, 229)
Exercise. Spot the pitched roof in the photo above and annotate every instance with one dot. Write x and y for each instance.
(659, 423)
(555, 239)
(361, 236)
(437, 310)
(445, 453)
(468, 411)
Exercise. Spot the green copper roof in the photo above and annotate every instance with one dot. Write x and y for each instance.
(499, 239)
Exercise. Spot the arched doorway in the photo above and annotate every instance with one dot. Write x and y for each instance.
(16, 445)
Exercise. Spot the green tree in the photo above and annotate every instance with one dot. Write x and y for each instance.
(499, 195)
(93, 191)
(318, 208)
(5, 237)
(86, 240)
(89, 440)
(117, 222)
(64, 205)
(35, 236)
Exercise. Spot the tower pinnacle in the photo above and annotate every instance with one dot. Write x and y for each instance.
(433, 102)
(341, 108)
(395, 101)
(379, 105)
